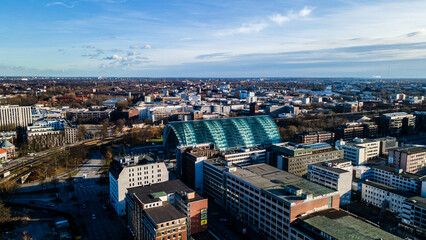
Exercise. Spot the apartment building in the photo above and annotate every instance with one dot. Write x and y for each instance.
(397, 124)
(88, 115)
(133, 171)
(335, 174)
(411, 159)
(295, 158)
(264, 197)
(359, 150)
(336, 224)
(167, 210)
(383, 196)
(12, 116)
(414, 213)
(311, 137)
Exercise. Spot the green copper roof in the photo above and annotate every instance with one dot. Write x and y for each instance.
(225, 133)
(6, 144)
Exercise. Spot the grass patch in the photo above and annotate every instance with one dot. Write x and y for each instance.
(105, 167)
(72, 174)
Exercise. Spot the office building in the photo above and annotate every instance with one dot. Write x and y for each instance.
(88, 115)
(314, 137)
(411, 159)
(383, 196)
(295, 158)
(336, 174)
(133, 171)
(336, 224)
(13, 116)
(414, 213)
(387, 143)
(226, 133)
(397, 124)
(168, 210)
(359, 150)
(264, 197)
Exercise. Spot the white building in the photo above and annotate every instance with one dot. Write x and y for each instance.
(133, 171)
(16, 116)
(336, 174)
(359, 150)
(383, 196)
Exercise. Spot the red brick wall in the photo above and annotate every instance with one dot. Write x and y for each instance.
(196, 216)
(305, 207)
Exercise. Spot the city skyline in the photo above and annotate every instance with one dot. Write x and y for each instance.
(213, 38)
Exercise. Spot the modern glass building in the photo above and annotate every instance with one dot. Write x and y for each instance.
(225, 133)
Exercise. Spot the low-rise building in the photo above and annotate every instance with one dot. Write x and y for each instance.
(414, 213)
(133, 171)
(167, 210)
(3, 155)
(9, 147)
(411, 159)
(336, 174)
(383, 196)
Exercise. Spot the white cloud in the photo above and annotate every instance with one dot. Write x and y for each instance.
(280, 19)
(147, 46)
(115, 57)
(61, 4)
(244, 29)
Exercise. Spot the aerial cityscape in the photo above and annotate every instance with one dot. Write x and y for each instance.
(199, 120)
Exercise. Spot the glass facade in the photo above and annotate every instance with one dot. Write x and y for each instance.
(225, 133)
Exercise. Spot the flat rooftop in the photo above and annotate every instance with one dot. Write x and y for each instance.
(330, 167)
(274, 180)
(418, 201)
(341, 225)
(150, 194)
(410, 149)
(165, 213)
(393, 171)
(390, 189)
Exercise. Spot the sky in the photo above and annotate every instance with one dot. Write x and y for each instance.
(213, 38)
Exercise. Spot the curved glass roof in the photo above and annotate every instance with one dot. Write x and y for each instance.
(225, 133)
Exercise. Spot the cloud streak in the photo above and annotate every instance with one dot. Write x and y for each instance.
(281, 19)
(60, 4)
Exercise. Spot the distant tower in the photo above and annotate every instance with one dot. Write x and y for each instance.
(253, 108)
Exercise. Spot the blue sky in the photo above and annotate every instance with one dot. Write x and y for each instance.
(213, 38)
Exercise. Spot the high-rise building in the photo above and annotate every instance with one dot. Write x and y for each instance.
(397, 124)
(411, 159)
(12, 116)
(264, 197)
(168, 210)
(336, 174)
(133, 171)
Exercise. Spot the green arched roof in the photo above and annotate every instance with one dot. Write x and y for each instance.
(225, 133)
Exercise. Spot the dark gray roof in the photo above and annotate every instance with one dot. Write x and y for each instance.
(417, 201)
(165, 213)
(145, 193)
